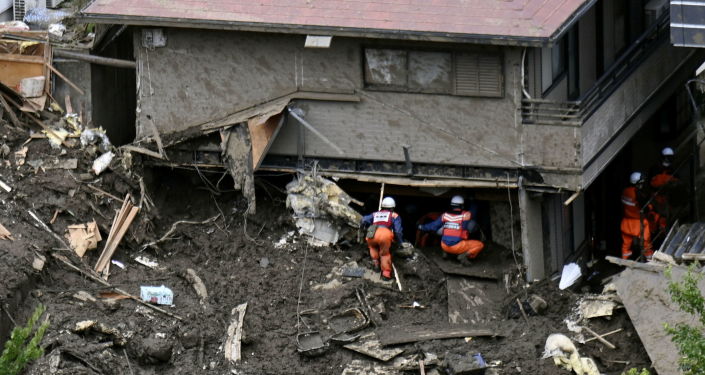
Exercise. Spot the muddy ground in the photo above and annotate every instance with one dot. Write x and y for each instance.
(238, 261)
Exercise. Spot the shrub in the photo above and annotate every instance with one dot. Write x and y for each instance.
(689, 340)
(18, 351)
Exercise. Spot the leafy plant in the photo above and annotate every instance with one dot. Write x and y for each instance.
(18, 351)
(634, 371)
(689, 340)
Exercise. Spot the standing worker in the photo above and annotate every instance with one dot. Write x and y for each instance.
(634, 225)
(383, 226)
(456, 223)
(661, 178)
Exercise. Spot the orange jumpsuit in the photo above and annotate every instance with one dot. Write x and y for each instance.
(424, 239)
(658, 219)
(388, 226)
(633, 225)
(455, 235)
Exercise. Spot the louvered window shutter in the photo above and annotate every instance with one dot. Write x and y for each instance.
(478, 74)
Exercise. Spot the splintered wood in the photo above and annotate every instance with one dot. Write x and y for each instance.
(83, 237)
(232, 343)
(5, 234)
(121, 223)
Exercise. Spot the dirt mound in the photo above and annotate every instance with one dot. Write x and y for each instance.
(290, 287)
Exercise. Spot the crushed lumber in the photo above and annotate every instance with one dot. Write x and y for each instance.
(371, 347)
(198, 284)
(63, 77)
(605, 334)
(632, 264)
(13, 117)
(121, 223)
(97, 279)
(393, 335)
(171, 230)
(232, 343)
(600, 338)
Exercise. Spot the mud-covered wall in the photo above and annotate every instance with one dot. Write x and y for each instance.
(204, 75)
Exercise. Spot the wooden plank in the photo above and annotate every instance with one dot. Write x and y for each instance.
(653, 267)
(21, 58)
(371, 347)
(262, 135)
(121, 223)
(401, 335)
(68, 81)
(232, 343)
(10, 113)
(14, 72)
(693, 256)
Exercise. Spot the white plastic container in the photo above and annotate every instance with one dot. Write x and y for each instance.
(160, 295)
(102, 162)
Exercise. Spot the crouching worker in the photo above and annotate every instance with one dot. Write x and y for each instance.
(456, 224)
(383, 226)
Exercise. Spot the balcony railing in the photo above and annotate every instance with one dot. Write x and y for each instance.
(574, 113)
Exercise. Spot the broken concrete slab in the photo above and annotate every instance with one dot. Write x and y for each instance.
(645, 296)
(596, 307)
(465, 364)
(484, 267)
(469, 300)
(370, 346)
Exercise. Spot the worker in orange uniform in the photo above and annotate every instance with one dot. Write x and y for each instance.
(660, 180)
(455, 224)
(634, 225)
(425, 239)
(383, 226)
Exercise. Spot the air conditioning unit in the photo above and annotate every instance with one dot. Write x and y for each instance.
(653, 10)
(22, 6)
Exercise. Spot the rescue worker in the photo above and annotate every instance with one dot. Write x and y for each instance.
(634, 225)
(662, 177)
(454, 225)
(426, 239)
(383, 226)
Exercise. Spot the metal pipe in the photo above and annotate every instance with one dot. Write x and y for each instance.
(93, 59)
(314, 131)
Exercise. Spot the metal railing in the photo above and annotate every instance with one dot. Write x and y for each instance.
(574, 113)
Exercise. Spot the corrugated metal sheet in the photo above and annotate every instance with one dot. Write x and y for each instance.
(508, 19)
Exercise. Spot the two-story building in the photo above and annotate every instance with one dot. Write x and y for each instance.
(549, 103)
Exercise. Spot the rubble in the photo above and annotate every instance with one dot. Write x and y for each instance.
(321, 208)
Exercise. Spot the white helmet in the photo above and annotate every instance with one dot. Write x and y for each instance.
(667, 154)
(388, 202)
(635, 178)
(457, 201)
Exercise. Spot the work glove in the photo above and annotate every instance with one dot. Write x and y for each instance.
(406, 245)
(420, 227)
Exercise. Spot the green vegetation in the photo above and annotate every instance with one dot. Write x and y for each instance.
(18, 351)
(689, 340)
(634, 371)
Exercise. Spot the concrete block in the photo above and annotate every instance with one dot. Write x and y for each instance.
(32, 87)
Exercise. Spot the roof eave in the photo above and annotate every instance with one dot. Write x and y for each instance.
(522, 41)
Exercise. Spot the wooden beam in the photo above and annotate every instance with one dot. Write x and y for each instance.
(401, 335)
(10, 113)
(632, 264)
(58, 73)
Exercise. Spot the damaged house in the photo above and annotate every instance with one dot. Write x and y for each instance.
(532, 102)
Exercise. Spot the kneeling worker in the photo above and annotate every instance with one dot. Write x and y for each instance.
(383, 225)
(455, 224)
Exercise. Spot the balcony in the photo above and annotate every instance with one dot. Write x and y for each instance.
(588, 132)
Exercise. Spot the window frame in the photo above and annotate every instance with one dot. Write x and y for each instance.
(453, 52)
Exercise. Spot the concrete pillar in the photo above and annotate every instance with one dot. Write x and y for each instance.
(531, 235)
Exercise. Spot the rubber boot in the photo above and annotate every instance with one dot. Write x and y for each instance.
(464, 260)
(387, 275)
(375, 265)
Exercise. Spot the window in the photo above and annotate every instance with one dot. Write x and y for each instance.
(553, 63)
(452, 73)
